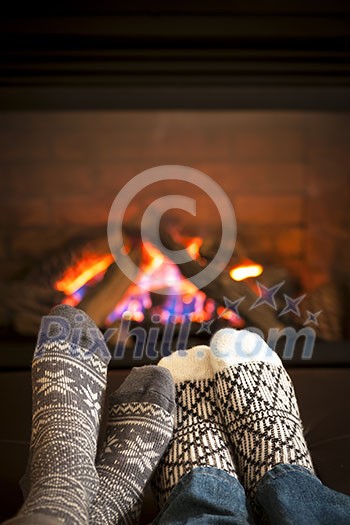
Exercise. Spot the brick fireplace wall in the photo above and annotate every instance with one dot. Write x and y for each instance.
(286, 173)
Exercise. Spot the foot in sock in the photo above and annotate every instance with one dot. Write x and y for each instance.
(69, 373)
(139, 429)
(257, 400)
(199, 438)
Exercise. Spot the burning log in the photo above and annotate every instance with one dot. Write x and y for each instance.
(93, 282)
(29, 300)
(101, 299)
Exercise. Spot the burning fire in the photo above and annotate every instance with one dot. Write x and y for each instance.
(157, 273)
(245, 271)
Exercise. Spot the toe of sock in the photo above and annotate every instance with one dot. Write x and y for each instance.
(186, 365)
(72, 324)
(230, 347)
(147, 384)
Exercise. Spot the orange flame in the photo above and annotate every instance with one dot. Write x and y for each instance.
(154, 257)
(244, 271)
(86, 269)
(193, 247)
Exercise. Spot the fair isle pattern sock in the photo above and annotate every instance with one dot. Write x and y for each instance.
(69, 373)
(199, 438)
(257, 400)
(139, 428)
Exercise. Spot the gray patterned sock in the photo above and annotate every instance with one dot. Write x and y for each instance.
(69, 372)
(139, 428)
(257, 400)
(200, 438)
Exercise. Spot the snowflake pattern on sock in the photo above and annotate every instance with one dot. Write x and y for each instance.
(139, 428)
(137, 435)
(68, 391)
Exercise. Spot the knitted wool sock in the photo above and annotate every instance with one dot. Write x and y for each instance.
(257, 400)
(199, 438)
(69, 372)
(139, 428)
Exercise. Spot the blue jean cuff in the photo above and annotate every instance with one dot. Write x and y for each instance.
(205, 495)
(281, 470)
(274, 475)
(220, 475)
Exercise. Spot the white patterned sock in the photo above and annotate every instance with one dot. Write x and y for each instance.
(199, 438)
(69, 373)
(257, 401)
(139, 428)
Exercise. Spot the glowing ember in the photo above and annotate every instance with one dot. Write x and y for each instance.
(154, 258)
(239, 273)
(84, 271)
(194, 246)
(225, 313)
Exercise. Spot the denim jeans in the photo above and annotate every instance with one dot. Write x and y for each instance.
(286, 495)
